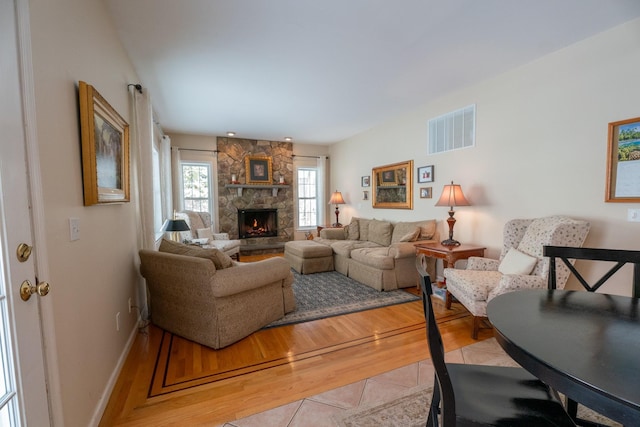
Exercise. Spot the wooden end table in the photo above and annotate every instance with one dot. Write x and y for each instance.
(449, 255)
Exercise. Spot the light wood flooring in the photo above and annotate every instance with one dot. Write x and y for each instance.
(189, 384)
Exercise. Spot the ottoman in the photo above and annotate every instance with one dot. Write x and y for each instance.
(307, 256)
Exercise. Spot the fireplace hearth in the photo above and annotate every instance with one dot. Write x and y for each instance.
(257, 223)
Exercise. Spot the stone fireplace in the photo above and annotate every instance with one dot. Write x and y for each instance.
(231, 161)
(257, 223)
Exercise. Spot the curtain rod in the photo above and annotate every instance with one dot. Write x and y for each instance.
(197, 149)
(310, 157)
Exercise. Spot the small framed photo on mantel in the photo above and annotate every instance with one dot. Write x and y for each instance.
(425, 174)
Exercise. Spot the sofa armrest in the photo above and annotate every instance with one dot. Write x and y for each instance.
(402, 250)
(220, 236)
(333, 233)
(516, 282)
(481, 263)
(251, 275)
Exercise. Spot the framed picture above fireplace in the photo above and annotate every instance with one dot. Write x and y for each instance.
(258, 170)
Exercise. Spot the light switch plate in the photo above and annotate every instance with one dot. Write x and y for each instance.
(74, 229)
(633, 215)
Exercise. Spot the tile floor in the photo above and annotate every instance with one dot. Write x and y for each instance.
(318, 410)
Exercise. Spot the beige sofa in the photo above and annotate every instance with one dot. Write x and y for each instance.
(378, 253)
(204, 296)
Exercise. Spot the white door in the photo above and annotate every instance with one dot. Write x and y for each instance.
(23, 397)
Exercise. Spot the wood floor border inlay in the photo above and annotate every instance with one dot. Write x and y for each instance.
(161, 384)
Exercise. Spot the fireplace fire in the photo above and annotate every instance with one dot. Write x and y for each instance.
(257, 223)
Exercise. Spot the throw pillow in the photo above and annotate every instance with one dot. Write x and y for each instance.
(205, 233)
(380, 232)
(363, 228)
(411, 236)
(353, 230)
(219, 258)
(516, 262)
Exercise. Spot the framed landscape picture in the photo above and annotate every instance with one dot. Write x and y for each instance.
(623, 162)
(258, 169)
(105, 149)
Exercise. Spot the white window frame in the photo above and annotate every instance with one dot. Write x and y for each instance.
(209, 168)
(299, 198)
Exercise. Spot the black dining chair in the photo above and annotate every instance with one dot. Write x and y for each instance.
(478, 395)
(567, 255)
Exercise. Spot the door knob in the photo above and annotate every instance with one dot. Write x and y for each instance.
(27, 289)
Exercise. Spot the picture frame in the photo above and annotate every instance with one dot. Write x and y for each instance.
(104, 137)
(387, 177)
(365, 195)
(623, 162)
(426, 192)
(425, 174)
(365, 181)
(258, 170)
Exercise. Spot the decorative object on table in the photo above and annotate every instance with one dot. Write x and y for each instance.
(516, 395)
(258, 170)
(281, 180)
(175, 226)
(337, 199)
(365, 181)
(452, 196)
(365, 195)
(234, 179)
(425, 174)
(426, 192)
(623, 162)
(105, 149)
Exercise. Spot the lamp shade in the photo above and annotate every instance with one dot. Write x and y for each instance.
(452, 196)
(175, 225)
(336, 198)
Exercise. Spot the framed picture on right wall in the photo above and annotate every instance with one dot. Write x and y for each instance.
(623, 162)
(425, 174)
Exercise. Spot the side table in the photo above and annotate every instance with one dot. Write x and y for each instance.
(449, 255)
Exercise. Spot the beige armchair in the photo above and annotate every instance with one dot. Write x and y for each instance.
(521, 264)
(216, 307)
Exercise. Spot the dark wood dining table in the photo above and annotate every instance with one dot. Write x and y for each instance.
(583, 344)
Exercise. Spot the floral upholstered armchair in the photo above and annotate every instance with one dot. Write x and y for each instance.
(521, 264)
(200, 229)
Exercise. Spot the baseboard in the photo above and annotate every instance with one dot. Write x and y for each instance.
(109, 386)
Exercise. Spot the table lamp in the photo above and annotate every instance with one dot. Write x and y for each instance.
(336, 199)
(175, 226)
(452, 196)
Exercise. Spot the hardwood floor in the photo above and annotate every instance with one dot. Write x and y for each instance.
(189, 384)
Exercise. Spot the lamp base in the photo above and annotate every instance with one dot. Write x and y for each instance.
(336, 224)
(450, 242)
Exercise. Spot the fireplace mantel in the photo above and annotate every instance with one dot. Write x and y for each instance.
(274, 187)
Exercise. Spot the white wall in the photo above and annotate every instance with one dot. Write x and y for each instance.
(92, 278)
(541, 145)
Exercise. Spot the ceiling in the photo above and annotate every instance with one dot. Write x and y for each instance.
(321, 71)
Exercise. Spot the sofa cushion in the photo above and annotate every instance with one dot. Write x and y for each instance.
(405, 232)
(375, 257)
(515, 262)
(363, 228)
(380, 232)
(427, 228)
(344, 247)
(353, 230)
(219, 258)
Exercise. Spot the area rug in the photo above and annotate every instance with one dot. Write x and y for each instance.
(328, 294)
(410, 410)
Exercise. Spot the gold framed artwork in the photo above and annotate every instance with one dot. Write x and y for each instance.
(258, 170)
(104, 137)
(623, 162)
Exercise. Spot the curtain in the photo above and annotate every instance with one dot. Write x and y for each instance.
(165, 177)
(142, 168)
(177, 178)
(321, 166)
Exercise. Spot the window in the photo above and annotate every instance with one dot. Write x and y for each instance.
(196, 186)
(453, 131)
(307, 197)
